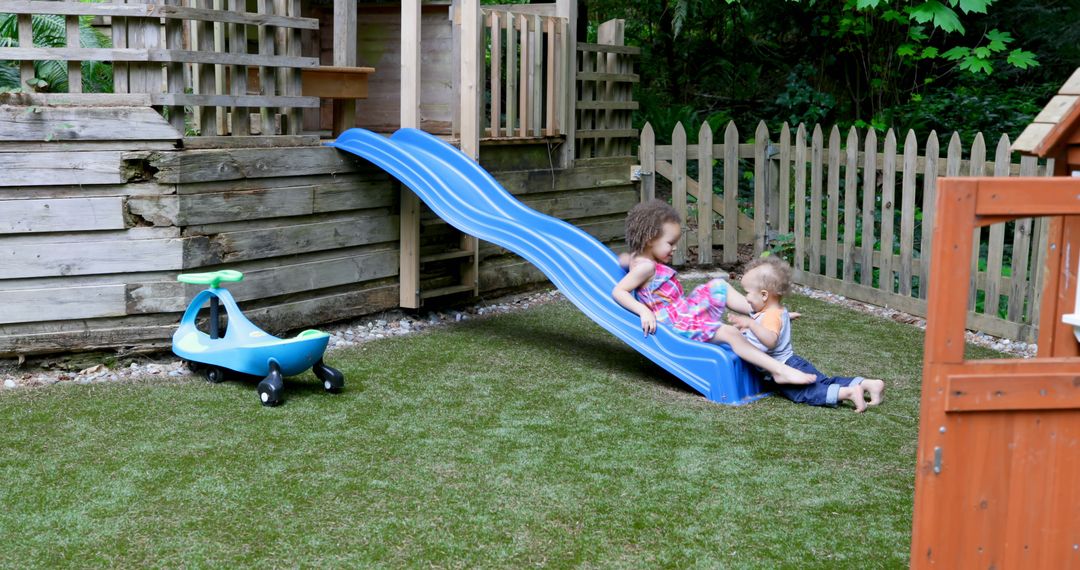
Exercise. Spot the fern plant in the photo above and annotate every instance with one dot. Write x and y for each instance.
(52, 76)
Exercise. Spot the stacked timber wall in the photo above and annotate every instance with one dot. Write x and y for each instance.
(94, 231)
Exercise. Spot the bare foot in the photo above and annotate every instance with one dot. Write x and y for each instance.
(876, 389)
(789, 375)
(855, 395)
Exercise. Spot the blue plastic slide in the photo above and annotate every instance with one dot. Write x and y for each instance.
(467, 197)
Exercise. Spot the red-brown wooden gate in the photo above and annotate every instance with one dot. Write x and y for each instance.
(997, 481)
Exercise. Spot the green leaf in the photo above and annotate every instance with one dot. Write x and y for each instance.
(998, 39)
(977, 6)
(941, 16)
(929, 52)
(917, 33)
(956, 53)
(1022, 59)
(905, 50)
(981, 52)
(975, 65)
(893, 16)
(867, 4)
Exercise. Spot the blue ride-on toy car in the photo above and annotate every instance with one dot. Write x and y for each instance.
(244, 347)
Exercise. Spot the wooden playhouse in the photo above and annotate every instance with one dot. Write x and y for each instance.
(998, 462)
(207, 154)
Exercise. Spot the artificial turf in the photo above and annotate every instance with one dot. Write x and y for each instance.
(527, 439)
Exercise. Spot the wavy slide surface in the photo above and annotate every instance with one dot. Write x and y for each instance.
(467, 197)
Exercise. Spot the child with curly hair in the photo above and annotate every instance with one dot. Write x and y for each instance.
(768, 327)
(651, 290)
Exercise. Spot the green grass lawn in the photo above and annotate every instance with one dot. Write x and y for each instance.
(530, 439)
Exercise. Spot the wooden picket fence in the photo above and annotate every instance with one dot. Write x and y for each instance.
(836, 206)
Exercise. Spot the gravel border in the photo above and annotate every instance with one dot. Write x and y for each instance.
(399, 323)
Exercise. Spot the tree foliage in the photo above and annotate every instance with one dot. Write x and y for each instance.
(52, 76)
(862, 62)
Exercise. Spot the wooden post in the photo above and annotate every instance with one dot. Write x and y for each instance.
(496, 75)
(470, 73)
(929, 204)
(345, 56)
(761, 188)
(705, 193)
(678, 186)
(731, 193)
(866, 268)
(647, 152)
(832, 215)
(907, 212)
(74, 68)
(409, 259)
(568, 9)
(851, 175)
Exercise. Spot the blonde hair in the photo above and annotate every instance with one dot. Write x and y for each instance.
(777, 277)
(645, 222)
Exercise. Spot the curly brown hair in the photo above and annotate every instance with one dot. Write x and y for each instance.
(645, 222)
(777, 279)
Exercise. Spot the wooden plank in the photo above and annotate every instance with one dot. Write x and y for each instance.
(647, 152)
(800, 197)
(609, 105)
(496, 75)
(254, 141)
(888, 212)
(605, 48)
(731, 193)
(233, 164)
(60, 168)
(238, 84)
(833, 217)
(928, 206)
(996, 249)
(267, 83)
(549, 116)
(149, 55)
(816, 167)
(761, 218)
(678, 187)
(784, 168)
(140, 10)
(76, 99)
(705, 195)
(86, 257)
(470, 74)
(26, 41)
(991, 392)
(907, 212)
(62, 303)
(409, 256)
(745, 224)
(608, 134)
(536, 76)
(581, 204)
(83, 335)
(175, 81)
(851, 202)
(611, 77)
(51, 124)
(279, 237)
(1022, 279)
(215, 100)
(72, 214)
(975, 168)
(74, 68)
(511, 74)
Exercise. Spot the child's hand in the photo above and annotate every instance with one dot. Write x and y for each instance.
(741, 322)
(793, 316)
(648, 323)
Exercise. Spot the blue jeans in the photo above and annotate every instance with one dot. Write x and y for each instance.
(823, 392)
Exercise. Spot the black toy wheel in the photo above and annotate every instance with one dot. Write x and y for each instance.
(271, 388)
(213, 374)
(332, 378)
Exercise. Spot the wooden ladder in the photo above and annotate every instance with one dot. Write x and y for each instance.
(459, 251)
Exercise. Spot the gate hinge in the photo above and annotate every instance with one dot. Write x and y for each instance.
(937, 460)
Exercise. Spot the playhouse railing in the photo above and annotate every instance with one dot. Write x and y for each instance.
(211, 66)
(605, 105)
(854, 215)
(524, 55)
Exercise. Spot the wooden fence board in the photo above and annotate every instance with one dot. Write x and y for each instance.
(975, 165)
(800, 197)
(851, 200)
(731, 193)
(705, 194)
(678, 187)
(907, 212)
(928, 204)
(817, 151)
(1022, 278)
(996, 247)
(785, 179)
(832, 227)
(36, 124)
(647, 154)
(234, 164)
(761, 188)
(63, 214)
(888, 212)
(866, 268)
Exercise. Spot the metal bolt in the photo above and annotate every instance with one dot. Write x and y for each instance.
(941, 429)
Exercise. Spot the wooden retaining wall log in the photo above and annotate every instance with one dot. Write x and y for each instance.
(61, 214)
(37, 124)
